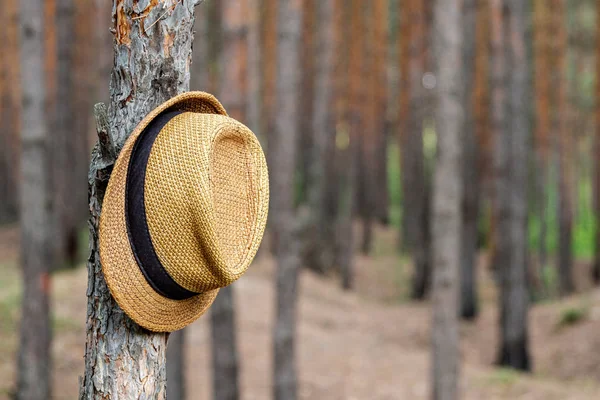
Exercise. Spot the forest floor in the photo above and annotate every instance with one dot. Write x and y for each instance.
(368, 344)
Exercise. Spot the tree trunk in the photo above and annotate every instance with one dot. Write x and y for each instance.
(381, 46)
(482, 112)
(348, 85)
(447, 187)
(306, 135)
(224, 347)
(254, 102)
(374, 119)
(543, 58)
(34, 360)
(596, 174)
(470, 171)
(565, 206)
(176, 366)
(201, 57)
(415, 197)
(62, 117)
(122, 360)
(514, 296)
(320, 249)
(9, 113)
(283, 160)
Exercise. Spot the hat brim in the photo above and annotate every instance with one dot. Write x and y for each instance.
(125, 280)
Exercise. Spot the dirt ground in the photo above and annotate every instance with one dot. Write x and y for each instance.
(368, 344)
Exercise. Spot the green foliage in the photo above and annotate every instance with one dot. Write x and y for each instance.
(394, 184)
(584, 223)
(573, 315)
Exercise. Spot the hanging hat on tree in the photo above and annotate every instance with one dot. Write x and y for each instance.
(184, 212)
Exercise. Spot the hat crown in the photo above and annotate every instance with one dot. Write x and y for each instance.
(205, 191)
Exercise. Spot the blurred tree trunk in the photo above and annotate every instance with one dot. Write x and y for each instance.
(102, 58)
(9, 112)
(471, 183)
(309, 61)
(224, 347)
(349, 86)
(176, 366)
(282, 147)
(596, 162)
(447, 188)
(514, 295)
(84, 85)
(64, 134)
(147, 71)
(201, 57)
(501, 137)
(233, 94)
(565, 206)
(34, 359)
(543, 68)
(381, 203)
(269, 61)
(321, 240)
(415, 193)
(372, 137)
(482, 100)
(254, 102)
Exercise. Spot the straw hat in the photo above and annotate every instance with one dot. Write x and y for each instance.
(184, 211)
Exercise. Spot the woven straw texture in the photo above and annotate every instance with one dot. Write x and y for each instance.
(206, 199)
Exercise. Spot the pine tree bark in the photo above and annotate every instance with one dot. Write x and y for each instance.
(514, 294)
(283, 160)
(447, 188)
(152, 49)
(176, 366)
(470, 170)
(34, 360)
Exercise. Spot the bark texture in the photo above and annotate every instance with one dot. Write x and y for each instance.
(34, 361)
(283, 160)
(176, 366)
(447, 187)
(152, 54)
(470, 170)
(514, 295)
